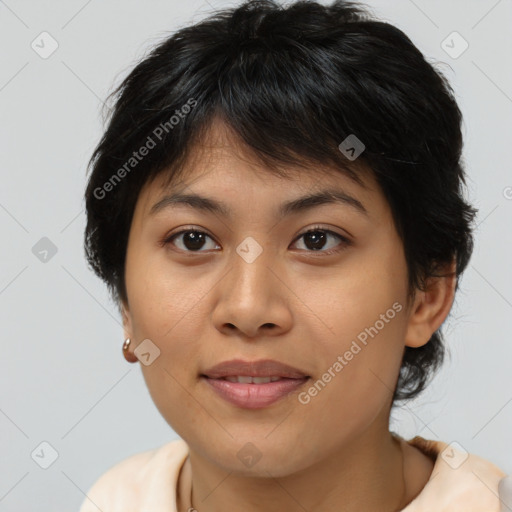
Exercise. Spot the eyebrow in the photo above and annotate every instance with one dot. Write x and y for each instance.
(301, 204)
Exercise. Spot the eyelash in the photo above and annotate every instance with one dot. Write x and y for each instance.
(345, 241)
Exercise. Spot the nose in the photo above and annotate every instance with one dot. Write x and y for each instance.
(253, 297)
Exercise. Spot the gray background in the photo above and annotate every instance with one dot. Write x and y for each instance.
(63, 379)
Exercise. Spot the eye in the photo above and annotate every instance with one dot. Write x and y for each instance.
(315, 239)
(192, 240)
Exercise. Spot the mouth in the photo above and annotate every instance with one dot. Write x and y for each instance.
(254, 369)
(253, 384)
(248, 379)
(250, 392)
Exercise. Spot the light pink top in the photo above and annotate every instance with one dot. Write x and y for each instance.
(147, 482)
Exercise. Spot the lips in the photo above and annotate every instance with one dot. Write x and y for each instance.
(253, 384)
(254, 396)
(261, 368)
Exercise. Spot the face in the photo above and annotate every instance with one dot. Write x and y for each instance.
(206, 287)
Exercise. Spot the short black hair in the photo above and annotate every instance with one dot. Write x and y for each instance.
(293, 83)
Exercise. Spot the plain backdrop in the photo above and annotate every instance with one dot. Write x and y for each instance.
(69, 401)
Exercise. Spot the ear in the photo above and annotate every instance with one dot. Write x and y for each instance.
(431, 307)
(127, 320)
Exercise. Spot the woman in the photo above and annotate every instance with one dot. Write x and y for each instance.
(276, 206)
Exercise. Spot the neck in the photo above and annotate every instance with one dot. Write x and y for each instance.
(366, 475)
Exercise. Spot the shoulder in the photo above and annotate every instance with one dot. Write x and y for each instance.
(460, 481)
(135, 480)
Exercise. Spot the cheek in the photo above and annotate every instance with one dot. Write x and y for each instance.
(366, 314)
(358, 381)
(368, 334)
(166, 311)
(163, 297)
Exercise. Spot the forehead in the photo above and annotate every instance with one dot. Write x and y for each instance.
(219, 161)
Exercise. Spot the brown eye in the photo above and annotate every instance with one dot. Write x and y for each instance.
(192, 240)
(316, 238)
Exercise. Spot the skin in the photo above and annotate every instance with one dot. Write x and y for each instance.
(294, 304)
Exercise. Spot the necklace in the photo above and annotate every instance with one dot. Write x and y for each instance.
(192, 509)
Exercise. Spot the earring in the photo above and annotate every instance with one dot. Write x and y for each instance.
(131, 358)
